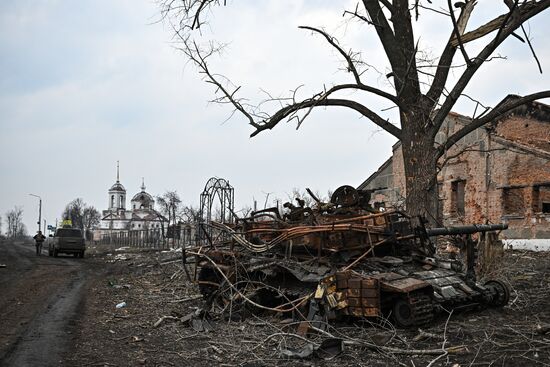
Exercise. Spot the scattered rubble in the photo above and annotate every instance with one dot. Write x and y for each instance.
(506, 337)
(320, 287)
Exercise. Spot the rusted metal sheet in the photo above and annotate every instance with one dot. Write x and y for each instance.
(392, 282)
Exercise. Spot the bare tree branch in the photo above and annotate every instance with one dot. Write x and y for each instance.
(446, 59)
(531, 48)
(458, 32)
(333, 43)
(524, 12)
(383, 29)
(291, 109)
(267, 122)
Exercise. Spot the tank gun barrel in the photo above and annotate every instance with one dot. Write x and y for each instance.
(469, 229)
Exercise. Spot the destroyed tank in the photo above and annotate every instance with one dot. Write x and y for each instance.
(342, 259)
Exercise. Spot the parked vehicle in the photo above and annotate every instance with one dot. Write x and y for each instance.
(68, 241)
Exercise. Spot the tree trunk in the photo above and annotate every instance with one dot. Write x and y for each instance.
(420, 158)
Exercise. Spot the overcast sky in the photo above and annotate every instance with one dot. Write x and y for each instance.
(86, 83)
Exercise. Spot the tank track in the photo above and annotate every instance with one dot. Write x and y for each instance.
(413, 309)
(422, 308)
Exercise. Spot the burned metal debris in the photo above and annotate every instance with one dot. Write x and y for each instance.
(340, 259)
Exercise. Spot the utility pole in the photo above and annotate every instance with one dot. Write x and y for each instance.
(39, 210)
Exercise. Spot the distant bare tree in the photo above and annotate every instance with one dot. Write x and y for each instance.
(14, 218)
(81, 215)
(21, 231)
(74, 212)
(90, 217)
(189, 214)
(169, 204)
(244, 211)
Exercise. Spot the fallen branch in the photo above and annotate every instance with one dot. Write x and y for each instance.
(161, 320)
(192, 298)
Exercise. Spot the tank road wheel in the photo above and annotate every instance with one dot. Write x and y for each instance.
(403, 313)
(499, 291)
(416, 309)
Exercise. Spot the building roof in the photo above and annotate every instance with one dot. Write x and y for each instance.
(117, 187)
(143, 197)
(536, 110)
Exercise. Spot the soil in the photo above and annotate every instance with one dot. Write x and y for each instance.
(39, 300)
(153, 285)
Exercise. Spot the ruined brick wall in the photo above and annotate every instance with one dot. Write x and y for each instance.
(465, 164)
(526, 131)
(514, 196)
(497, 168)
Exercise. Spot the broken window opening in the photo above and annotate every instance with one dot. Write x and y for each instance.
(543, 198)
(457, 197)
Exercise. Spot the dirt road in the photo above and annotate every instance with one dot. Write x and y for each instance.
(39, 301)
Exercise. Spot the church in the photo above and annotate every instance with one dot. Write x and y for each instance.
(141, 215)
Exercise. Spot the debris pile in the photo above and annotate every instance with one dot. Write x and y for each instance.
(341, 259)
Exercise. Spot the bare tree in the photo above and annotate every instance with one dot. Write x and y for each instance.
(169, 203)
(421, 89)
(189, 214)
(74, 212)
(244, 211)
(14, 219)
(81, 215)
(90, 217)
(21, 231)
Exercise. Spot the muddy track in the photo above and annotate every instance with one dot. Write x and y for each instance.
(39, 306)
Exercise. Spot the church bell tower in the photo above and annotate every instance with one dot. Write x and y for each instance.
(117, 193)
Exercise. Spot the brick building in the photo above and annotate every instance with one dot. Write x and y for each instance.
(500, 172)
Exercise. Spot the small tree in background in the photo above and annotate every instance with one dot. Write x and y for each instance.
(81, 215)
(14, 219)
(169, 204)
(90, 218)
(189, 214)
